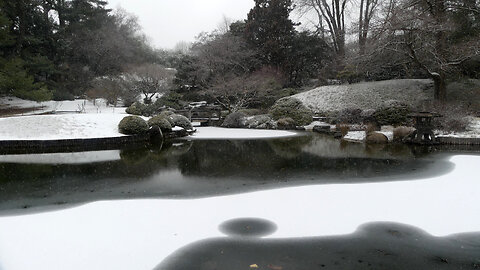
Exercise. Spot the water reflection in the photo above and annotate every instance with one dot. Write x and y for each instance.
(382, 245)
(192, 169)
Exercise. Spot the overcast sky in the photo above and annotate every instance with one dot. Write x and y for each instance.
(167, 22)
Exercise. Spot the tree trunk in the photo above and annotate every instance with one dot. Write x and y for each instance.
(440, 85)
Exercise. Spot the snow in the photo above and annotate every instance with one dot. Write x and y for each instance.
(61, 126)
(473, 130)
(86, 106)
(63, 158)
(366, 95)
(139, 234)
(238, 133)
(355, 136)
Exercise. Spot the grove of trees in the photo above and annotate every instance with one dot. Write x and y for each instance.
(61, 48)
(56, 48)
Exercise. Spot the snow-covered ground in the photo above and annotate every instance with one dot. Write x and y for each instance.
(366, 95)
(61, 126)
(139, 234)
(238, 133)
(78, 105)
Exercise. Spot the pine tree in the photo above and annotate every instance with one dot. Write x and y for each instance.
(270, 30)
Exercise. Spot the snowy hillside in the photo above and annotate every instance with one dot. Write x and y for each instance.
(367, 95)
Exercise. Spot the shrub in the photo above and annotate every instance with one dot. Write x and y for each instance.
(261, 122)
(370, 128)
(135, 109)
(343, 128)
(38, 95)
(132, 125)
(454, 116)
(181, 121)
(453, 124)
(172, 100)
(392, 113)
(292, 108)
(161, 122)
(349, 116)
(62, 95)
(234, 120)
(167, 115)
(286, 123)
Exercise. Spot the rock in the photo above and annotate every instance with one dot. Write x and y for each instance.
(401, 133)
(235, 120)
(375, 137)
(262, 121)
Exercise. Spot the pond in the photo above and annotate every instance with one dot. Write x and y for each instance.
(285, 203)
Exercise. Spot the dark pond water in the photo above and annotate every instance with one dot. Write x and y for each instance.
(204, 168)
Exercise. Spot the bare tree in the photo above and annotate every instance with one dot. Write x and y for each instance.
(423, 31)
(333, 15)
(182, 47)
(151, 79)
(367, 11)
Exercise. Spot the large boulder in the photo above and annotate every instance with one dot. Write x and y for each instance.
(401, 133)
(260, 122)
(376, 138)
(235, 120)
(132, 125)
(292, 108)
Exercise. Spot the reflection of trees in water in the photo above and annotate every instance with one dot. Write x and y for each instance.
(373, 246)
(289, 147)
(309, 157)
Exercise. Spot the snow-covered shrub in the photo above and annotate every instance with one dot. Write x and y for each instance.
(453, 123)
(181, 121)
(367, 116)
(349, 116)
(260, 122)
(161, 122)
(392, 113)
(132, 125)
(136, 109)
(286, 123)
(234, 120)
(292, 108)
(167, 115)
(343, 129)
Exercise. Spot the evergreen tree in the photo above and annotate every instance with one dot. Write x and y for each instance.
(271, 31)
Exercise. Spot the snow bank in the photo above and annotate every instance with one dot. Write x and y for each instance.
(62, 126)
(100, 235)
(238, 133)
(367, 95)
